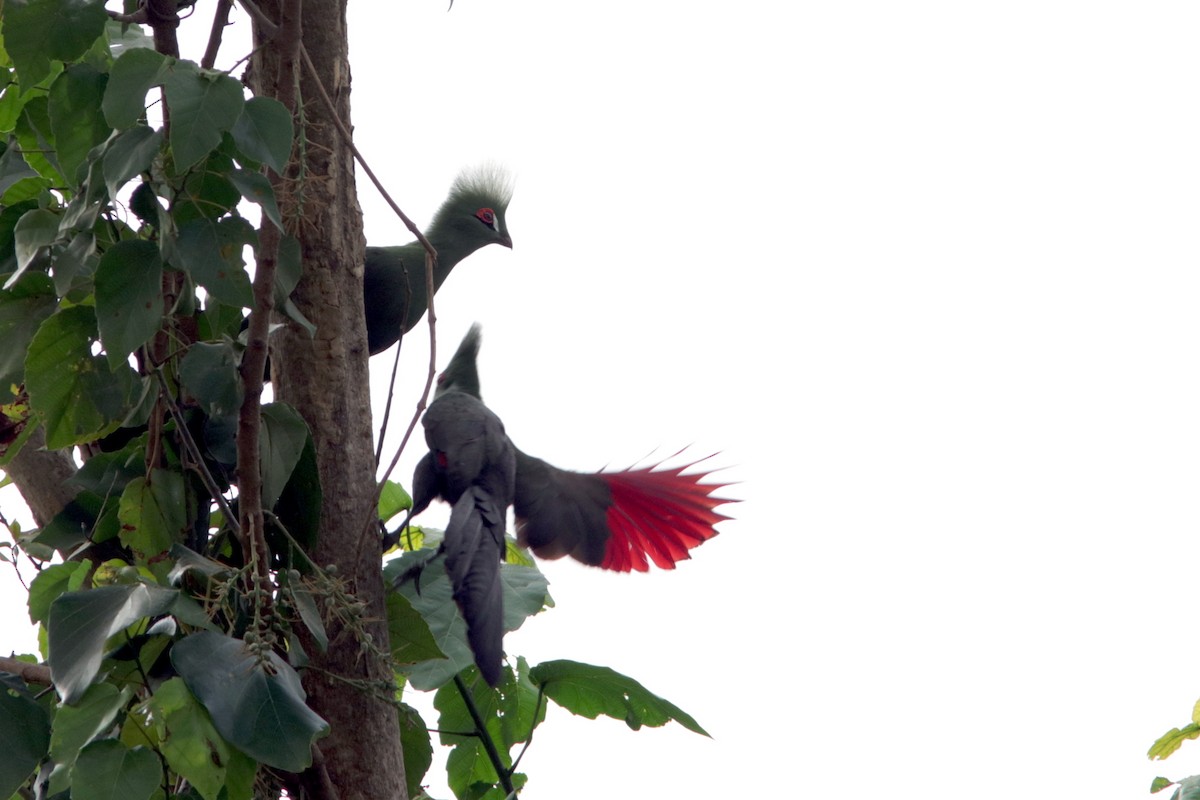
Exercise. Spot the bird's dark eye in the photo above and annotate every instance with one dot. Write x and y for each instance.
(487, 217)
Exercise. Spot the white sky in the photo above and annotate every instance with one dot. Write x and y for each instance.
(926, 275)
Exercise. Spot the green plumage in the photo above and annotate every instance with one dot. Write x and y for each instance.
(394, 292)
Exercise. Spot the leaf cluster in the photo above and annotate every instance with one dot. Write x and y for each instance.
(126, 177)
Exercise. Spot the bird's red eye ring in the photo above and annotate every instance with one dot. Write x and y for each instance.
(486, 216)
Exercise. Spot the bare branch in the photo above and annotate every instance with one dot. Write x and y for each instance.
(31, 673)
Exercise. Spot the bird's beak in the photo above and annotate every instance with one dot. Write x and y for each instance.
(506, 240)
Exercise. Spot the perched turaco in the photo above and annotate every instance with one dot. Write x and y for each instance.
(615, 520)
(472, 217)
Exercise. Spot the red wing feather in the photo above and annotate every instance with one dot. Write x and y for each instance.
(660, 514)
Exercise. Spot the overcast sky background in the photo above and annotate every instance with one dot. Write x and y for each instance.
(925, 275)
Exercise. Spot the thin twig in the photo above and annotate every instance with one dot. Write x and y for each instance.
(220, 20)
(488, 745)
(537, 707)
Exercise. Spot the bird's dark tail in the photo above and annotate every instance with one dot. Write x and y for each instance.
(473, 544)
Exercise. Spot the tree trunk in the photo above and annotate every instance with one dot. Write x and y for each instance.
(325, 378)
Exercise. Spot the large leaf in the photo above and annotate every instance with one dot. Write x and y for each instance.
(37, 142)
(191, 744)
(263, 132)
(34, 230)
(209, 372)
(24, 734)
(130, 154)
(1171, 741)
(288, 268)
(211, 251)
(22, 309)
(429, 592)
(511, 710)
(13, 167)
(256, 704)
(203, 106)
(108, 769)
(589, 691)
(298, 508)
(133, 74)
(417, 748)
(129, 305)
(78, 396)
(153, 513)
(51, 582)
(409, 635)
(81, 622)
(36, 31)
(281, 442)
(255, 187)
(75, 726)
(75, 118)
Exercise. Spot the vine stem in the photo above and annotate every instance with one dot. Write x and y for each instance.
(481, 731)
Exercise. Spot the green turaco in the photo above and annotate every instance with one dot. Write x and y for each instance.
(473, 216)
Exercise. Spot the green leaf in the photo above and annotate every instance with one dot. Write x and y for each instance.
(256, 705)
(75, 264)
(429, 593)
(207, 192)
(255, 187)
(108, 769)
(93, 715)
(36, 31)
(1170, 741)
(417, 748)
(22, 309)
(264, 132)
(71, 528)
(133, 74)
(298, 508)
(281, 442)
(78, 396)
(129, 306)
(524, 591)
(106, 474)
(34, 230)
(46, 587)
(392, 500)
(410, 637)
(81, 622)
(1160, 783)
(288, 267)
(129, 155)
(13, 167)
(190, 742)
(310, 615)
(209, 372)
(203, 106)
(589, 691)
(152, 513)
(75, 118)
(1189, 789)
(510, 711)
(24, 734)
(211, 251)
(36, 140)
